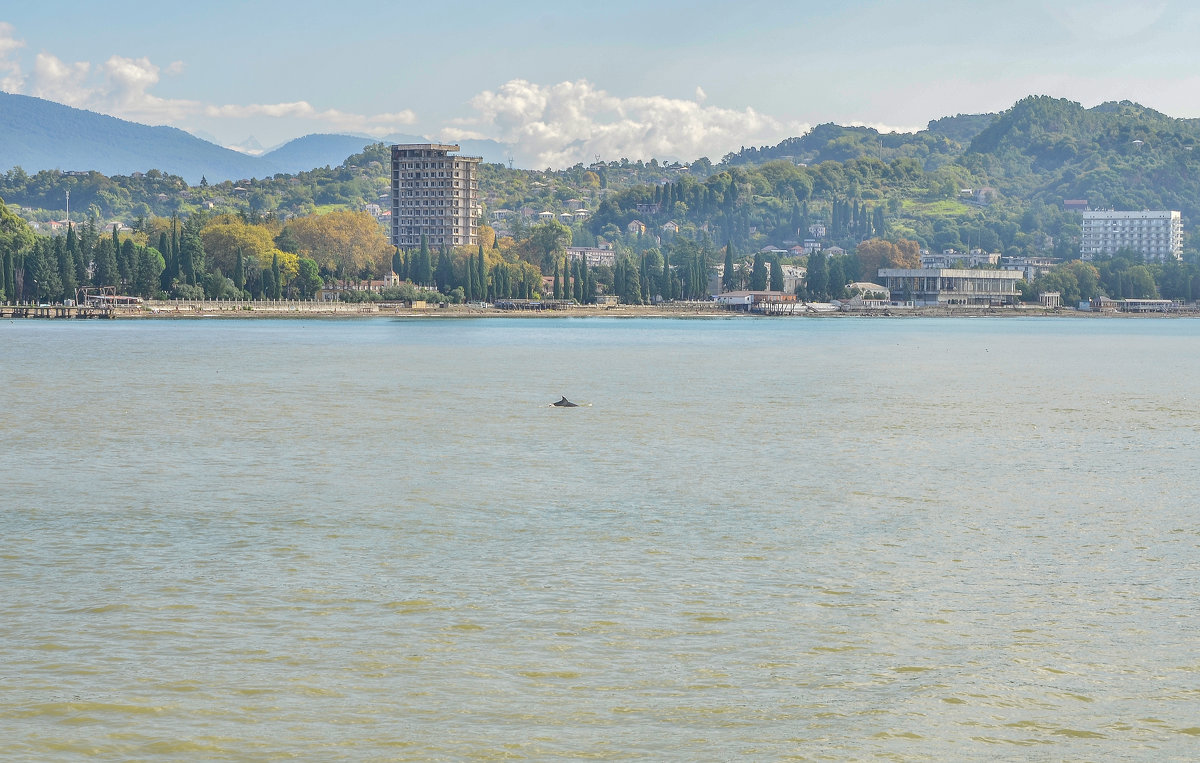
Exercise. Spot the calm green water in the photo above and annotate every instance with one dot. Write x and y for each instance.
(761, 539)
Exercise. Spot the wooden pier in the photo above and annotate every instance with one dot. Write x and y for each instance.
(57, 311)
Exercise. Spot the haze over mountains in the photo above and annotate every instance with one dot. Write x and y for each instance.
(36, 134)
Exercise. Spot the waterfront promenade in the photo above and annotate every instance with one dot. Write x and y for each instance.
(317, 309)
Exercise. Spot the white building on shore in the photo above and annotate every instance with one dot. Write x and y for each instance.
(951, 286)
(1156, 235)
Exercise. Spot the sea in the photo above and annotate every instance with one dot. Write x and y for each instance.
(754, 539)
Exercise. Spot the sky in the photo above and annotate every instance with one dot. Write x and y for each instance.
(564, 83)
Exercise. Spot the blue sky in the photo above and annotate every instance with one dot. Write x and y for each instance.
(564, 82)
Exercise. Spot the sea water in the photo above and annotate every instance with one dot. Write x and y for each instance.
(756, 539)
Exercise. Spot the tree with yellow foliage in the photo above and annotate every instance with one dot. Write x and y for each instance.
(345, 243)
(879, 253)
(224, 236)
(487, 236)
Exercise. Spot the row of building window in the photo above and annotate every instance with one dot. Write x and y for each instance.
(426, 165)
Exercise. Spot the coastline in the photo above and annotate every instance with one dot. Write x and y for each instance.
(693, 310)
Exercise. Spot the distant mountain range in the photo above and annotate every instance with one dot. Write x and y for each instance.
(36, 134)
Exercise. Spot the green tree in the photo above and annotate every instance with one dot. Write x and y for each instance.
(276, 278)
(267, 284)
(41, 270)
(818, 277)
(309, 280)
(127, 263)
(106, 264)
(239, 271)
(727, 277)
(444, 277)
(758, 278)
(481, 274)
(836, 278)
(424, 264)
(66, 266)
(150, 268)
(549, 238)
(776, 274)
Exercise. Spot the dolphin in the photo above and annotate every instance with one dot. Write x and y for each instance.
(564, 403)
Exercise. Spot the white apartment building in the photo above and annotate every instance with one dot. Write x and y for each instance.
(1157, 235)
(434, 194)
(593, 256)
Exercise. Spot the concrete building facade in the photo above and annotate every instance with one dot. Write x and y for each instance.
(594, 256)
(434, 194)
(1156, 235)
(951, 286)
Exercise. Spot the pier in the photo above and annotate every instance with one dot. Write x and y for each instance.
(57, 311)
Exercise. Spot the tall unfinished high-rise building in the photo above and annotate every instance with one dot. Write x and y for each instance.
(435, 193)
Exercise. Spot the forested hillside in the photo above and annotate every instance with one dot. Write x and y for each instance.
(991, 182)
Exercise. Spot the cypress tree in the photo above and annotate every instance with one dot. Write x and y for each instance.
(8, 277)
(398, 263)
(239, 271)
(481, 273)
(776, 275)
(633, 286)
(837, 278)
(164, 248)
(128, 263)
(268, 284)
(445, 271)
(106, 264)
(42, 270)
(66, 265)
(75, 258)
(276, 277)
(557, 285)
(818, 276)
(758, 278)
(727, 279)
(424, 264)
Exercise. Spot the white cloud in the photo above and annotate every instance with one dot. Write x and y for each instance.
(122, 87)
(374, 124)
(559, 125)
(126, 85)
(56, 80)
(11, 80)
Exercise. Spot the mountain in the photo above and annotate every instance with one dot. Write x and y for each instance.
(837, 143)
(319, 150)
(1117, 155)
(961, 128)
(37, 134)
